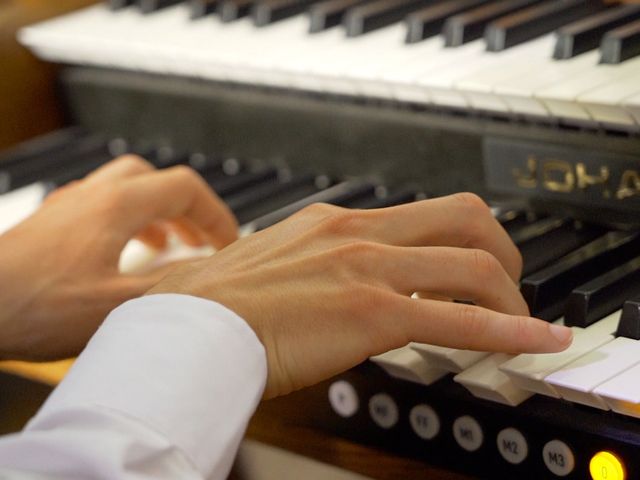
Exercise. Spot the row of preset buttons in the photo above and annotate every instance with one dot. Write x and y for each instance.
(467, 431)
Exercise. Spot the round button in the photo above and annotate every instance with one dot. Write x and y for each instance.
(558, 458)
(343, 398)
(468, 433)
(424, 421)
(383, 410)
(512, 445)
(606, 466)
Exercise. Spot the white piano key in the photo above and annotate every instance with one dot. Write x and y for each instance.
(604, 103)
(561, 98)
(528, 371)
(402, 81)
(479, 85)
(519, 92)
(632, 104)
(299, 64)
(442, 85)
(485, 380)
(407, 364)
(332, 68)
(577, 380)
(18, 204)
(367, 75)
(251, 61)
(622, 392)
(451, 359)
(377, 64)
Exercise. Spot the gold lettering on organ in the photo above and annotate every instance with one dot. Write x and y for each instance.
(629, 184)
(527, 179)
(554, 169)
(585, 180)
(562, 176)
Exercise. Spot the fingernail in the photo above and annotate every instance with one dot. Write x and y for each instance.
(561, 333)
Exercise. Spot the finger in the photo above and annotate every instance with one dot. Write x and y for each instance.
(153, 235)
(432, 296)
(169, 194)
(459, 273)
(461, 220)
(471, 327)
(122, 167)
(188, 232)
(58, 192)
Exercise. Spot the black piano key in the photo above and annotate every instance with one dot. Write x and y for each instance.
(79, 169)
(327, 14)
(251, 205)
(165, 157)
(377, 14)
(51, 164)
(261, 193)
(231, 184)
(534, 21)
(541, 251)
(546, 291)
(29, 156)
(603, 295)
(266, 12)
(530, 230)
(515, 220)
(118, 4)
(329, 195)
(629, 325)
(202, 8)
(150, 6)
(468, 26)
(429, 21)
(42, 145)
(202, 162)
(586, 34)
(621, 43)
(377, 201)
(230, 10)
(358, 192)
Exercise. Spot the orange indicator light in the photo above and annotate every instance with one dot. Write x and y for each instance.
(606, 466)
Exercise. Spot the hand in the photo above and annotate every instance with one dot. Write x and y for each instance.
(59, 268)
(329, 287)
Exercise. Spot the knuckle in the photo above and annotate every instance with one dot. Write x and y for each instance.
(184, 173)
(472, 202)
(131, 160)
(473, 218)
(473, 325)
(316, 210)
(359, 251)
(340, 221)
(484, 264)
(523, 334)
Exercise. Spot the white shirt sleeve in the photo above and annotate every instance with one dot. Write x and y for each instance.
(164, 390)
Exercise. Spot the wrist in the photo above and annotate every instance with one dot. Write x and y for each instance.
(17, 293)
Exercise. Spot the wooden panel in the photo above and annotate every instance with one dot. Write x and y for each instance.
(30, 104)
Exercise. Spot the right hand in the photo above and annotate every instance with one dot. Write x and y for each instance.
(329, 287)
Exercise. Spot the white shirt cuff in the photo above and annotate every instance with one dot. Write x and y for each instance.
(189, 368)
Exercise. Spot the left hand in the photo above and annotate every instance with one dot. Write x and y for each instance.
(59, 273)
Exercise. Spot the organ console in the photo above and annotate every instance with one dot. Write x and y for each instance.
(280, 103)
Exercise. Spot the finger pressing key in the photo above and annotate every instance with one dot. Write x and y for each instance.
(460, 220)
(173, 194)
(472, 327)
